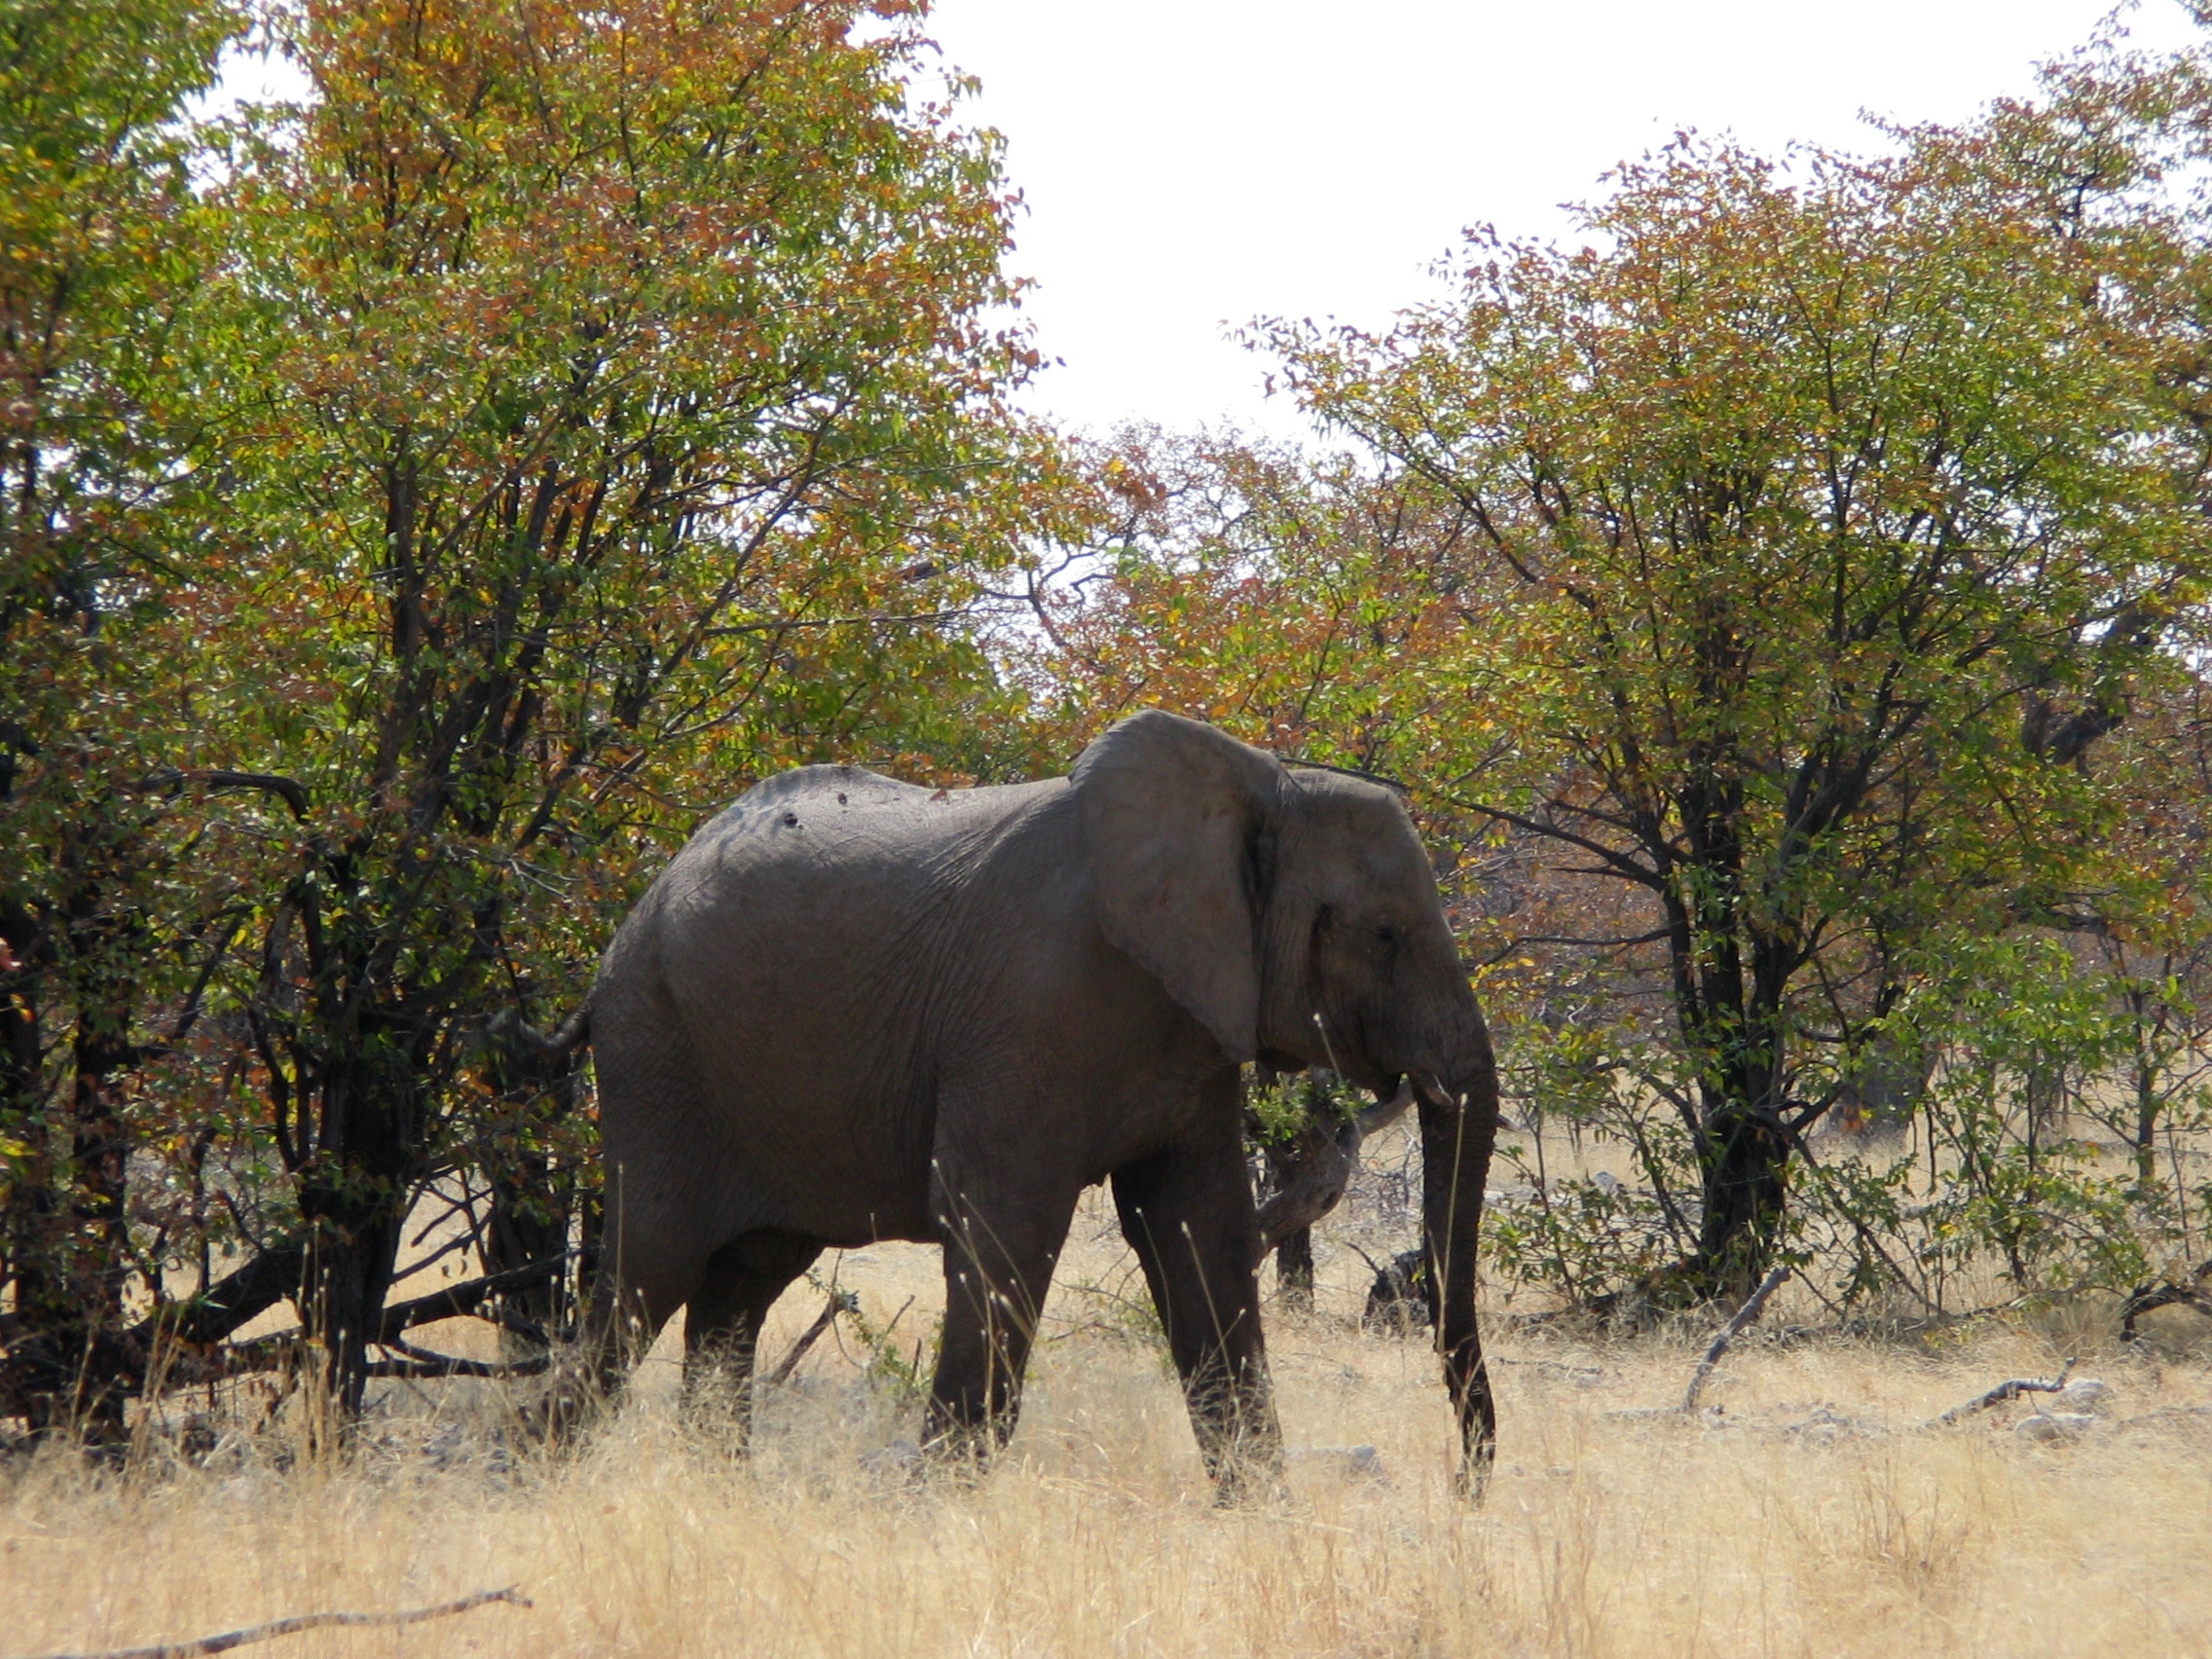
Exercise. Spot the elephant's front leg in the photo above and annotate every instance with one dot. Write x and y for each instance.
(1188, 1215)
(1001, 1244)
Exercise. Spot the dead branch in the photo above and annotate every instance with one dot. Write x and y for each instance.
(2012, 1391)
(2149, 1296)
(421, 1363)
(166, 780)
(841, 1302)
(466, 1298)
(291, 792)
(230, 1639)
(1315, 1169)
(182, 1367)
(1746, 1316)
(221, 1307)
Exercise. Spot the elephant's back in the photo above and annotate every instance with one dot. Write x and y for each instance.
(783, 978)
(821, 833)
(812, 862)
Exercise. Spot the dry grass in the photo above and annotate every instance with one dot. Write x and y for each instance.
(1773, 1529)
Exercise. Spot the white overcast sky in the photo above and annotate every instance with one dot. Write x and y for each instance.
(1192, 165)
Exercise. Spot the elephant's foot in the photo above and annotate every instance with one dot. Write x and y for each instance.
(718, 1416)
(960, 1446)
(575, 1398)
(1241, 1440)
(1248, 1476)
(1249, 1483)
(1243, 1454)
(716, 1401)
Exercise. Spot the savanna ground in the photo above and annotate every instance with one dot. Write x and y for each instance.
(1813, 1512)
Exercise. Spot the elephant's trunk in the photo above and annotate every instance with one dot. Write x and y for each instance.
(1458, 1124)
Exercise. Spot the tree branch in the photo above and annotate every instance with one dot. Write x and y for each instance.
(229, 1639)
(2012, 1391)
(456, 1300)
(1746, 1316)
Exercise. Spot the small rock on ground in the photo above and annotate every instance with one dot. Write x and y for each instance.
(2086, 1395)
(1363, 1462)
(2054, 1427)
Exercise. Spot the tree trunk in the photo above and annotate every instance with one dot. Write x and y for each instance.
(37, 1375)
(354, 1205)
(2043, 1095)
(530, 1222)
(1732, 1023)
(533, 1204)
(2145, 1119)
(70, 1370)
(1294, 1270)
(97, 1248)
(1745, 1193)
(348, 1271)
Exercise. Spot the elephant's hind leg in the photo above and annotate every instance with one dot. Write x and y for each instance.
(721, 1327)
(624, 1314)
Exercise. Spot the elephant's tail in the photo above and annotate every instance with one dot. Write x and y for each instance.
(574, 1032)
(537, 1052)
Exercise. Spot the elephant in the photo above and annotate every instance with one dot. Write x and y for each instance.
(854, 1010)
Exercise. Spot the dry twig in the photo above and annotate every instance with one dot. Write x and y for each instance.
(1746, 1316)
(230, 1639)
(841, 1302)
(2012, 1391)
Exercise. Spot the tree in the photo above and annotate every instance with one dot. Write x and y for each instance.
(1296, 601)
(616, 419)
(102, 249)
(1843, 504)
(2154, 952)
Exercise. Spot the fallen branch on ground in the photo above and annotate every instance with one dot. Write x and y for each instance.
(229, 1639)
(1746, 1316)
(235, 1300)
(2012, 1391)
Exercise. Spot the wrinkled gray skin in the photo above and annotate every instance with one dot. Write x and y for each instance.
(854, 1010)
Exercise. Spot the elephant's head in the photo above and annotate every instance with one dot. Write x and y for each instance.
(1295, 914)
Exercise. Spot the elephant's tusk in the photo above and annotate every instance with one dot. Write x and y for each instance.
(1431, 1088)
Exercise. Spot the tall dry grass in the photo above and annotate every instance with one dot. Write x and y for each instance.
(1808, 1516)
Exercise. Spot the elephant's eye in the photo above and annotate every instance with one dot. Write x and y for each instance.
(1387, 934)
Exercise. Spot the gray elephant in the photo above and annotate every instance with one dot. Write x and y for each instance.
(854, 1009)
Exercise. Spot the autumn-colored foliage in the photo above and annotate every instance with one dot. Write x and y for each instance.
(1784, 559)
(1783, 606)
(607, 411)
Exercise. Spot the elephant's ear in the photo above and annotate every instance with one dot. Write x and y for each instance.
(1178, 819)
